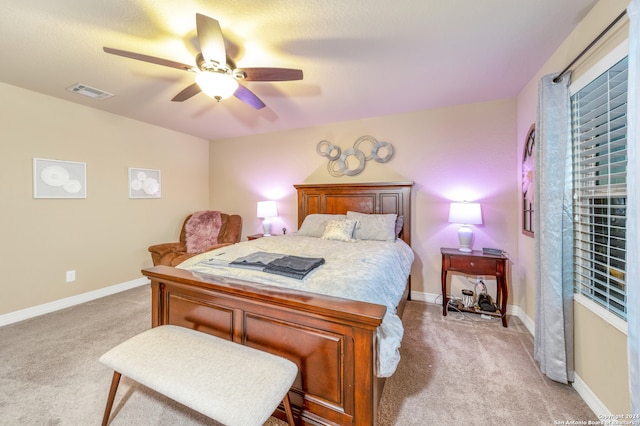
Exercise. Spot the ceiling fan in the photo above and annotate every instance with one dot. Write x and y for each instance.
(216, 73)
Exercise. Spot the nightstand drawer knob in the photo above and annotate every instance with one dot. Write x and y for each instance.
(472, 264)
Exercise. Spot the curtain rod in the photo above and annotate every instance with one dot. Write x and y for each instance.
(597, 39)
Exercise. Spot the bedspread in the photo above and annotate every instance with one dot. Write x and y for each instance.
(368, 271)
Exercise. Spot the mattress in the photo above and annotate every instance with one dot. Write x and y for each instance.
(363, 270)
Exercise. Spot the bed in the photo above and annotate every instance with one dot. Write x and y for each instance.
(334, 341)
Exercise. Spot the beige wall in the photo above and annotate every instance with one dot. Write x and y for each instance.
(601, 359)
(103, 237)
(601, 350)
(463, 152)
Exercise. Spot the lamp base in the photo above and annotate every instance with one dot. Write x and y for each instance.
(266, 227)
(465, 234)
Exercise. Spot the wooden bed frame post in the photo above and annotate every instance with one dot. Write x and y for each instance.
(155, 303)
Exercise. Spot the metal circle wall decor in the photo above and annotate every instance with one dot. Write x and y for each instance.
(334, 168)
(344, 165)
(385, 146)
(329, 150)
(322, 147)
(372, 141)
(338, 165)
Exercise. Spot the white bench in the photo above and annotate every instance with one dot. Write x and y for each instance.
(230, 383)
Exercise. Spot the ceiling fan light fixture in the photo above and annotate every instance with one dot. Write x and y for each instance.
(216, 73)
(216, 85)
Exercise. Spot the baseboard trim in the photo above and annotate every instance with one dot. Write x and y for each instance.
(425, 297)
(67, 302)
(526, 319)
(589, 397)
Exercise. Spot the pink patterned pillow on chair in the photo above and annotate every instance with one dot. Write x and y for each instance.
(201, 230)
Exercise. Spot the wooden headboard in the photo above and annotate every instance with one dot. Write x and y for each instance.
(372, 198)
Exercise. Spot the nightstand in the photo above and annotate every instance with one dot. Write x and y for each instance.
(476, 263)
(256, 236)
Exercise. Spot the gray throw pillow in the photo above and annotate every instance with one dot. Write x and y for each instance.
(314, 224)
(378, 227)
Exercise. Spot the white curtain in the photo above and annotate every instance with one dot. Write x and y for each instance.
(633, 188)
(553, 345)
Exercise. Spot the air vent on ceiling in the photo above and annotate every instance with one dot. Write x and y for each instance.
(92, 92)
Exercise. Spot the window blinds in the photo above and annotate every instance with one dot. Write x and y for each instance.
(599, 133)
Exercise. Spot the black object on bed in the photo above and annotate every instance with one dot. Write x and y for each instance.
(290, 266)
(294, 266)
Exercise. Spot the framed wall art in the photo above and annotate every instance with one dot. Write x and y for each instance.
(144, 183)
(59, 179)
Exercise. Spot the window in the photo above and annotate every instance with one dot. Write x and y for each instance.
(599, 135)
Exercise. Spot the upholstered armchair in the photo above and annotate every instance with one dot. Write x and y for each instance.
(201, 231)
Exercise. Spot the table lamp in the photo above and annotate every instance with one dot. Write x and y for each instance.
(465, 214)
(267, 210)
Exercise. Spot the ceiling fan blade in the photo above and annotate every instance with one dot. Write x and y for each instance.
(248, 97)
(270, 74)
(187, 93)
(147, 58)
(210, 39)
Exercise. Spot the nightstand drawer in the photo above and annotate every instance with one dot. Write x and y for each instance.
(473, 265)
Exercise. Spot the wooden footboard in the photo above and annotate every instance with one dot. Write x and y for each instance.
(331, 340)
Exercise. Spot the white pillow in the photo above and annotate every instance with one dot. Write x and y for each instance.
(314, 224)
(379, 227)
(339, 230)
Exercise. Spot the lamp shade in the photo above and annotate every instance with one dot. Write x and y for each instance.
(465, 213)
(267, 209)
(217, 85)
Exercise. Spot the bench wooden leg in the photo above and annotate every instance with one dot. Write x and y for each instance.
(287, 409)
(112, 395)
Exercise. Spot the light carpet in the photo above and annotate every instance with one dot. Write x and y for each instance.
(454, 370)
(461, 369)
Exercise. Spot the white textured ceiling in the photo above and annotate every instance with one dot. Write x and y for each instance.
(360, 58)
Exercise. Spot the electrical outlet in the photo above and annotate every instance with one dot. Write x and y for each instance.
(71, 276)
(480, 278)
